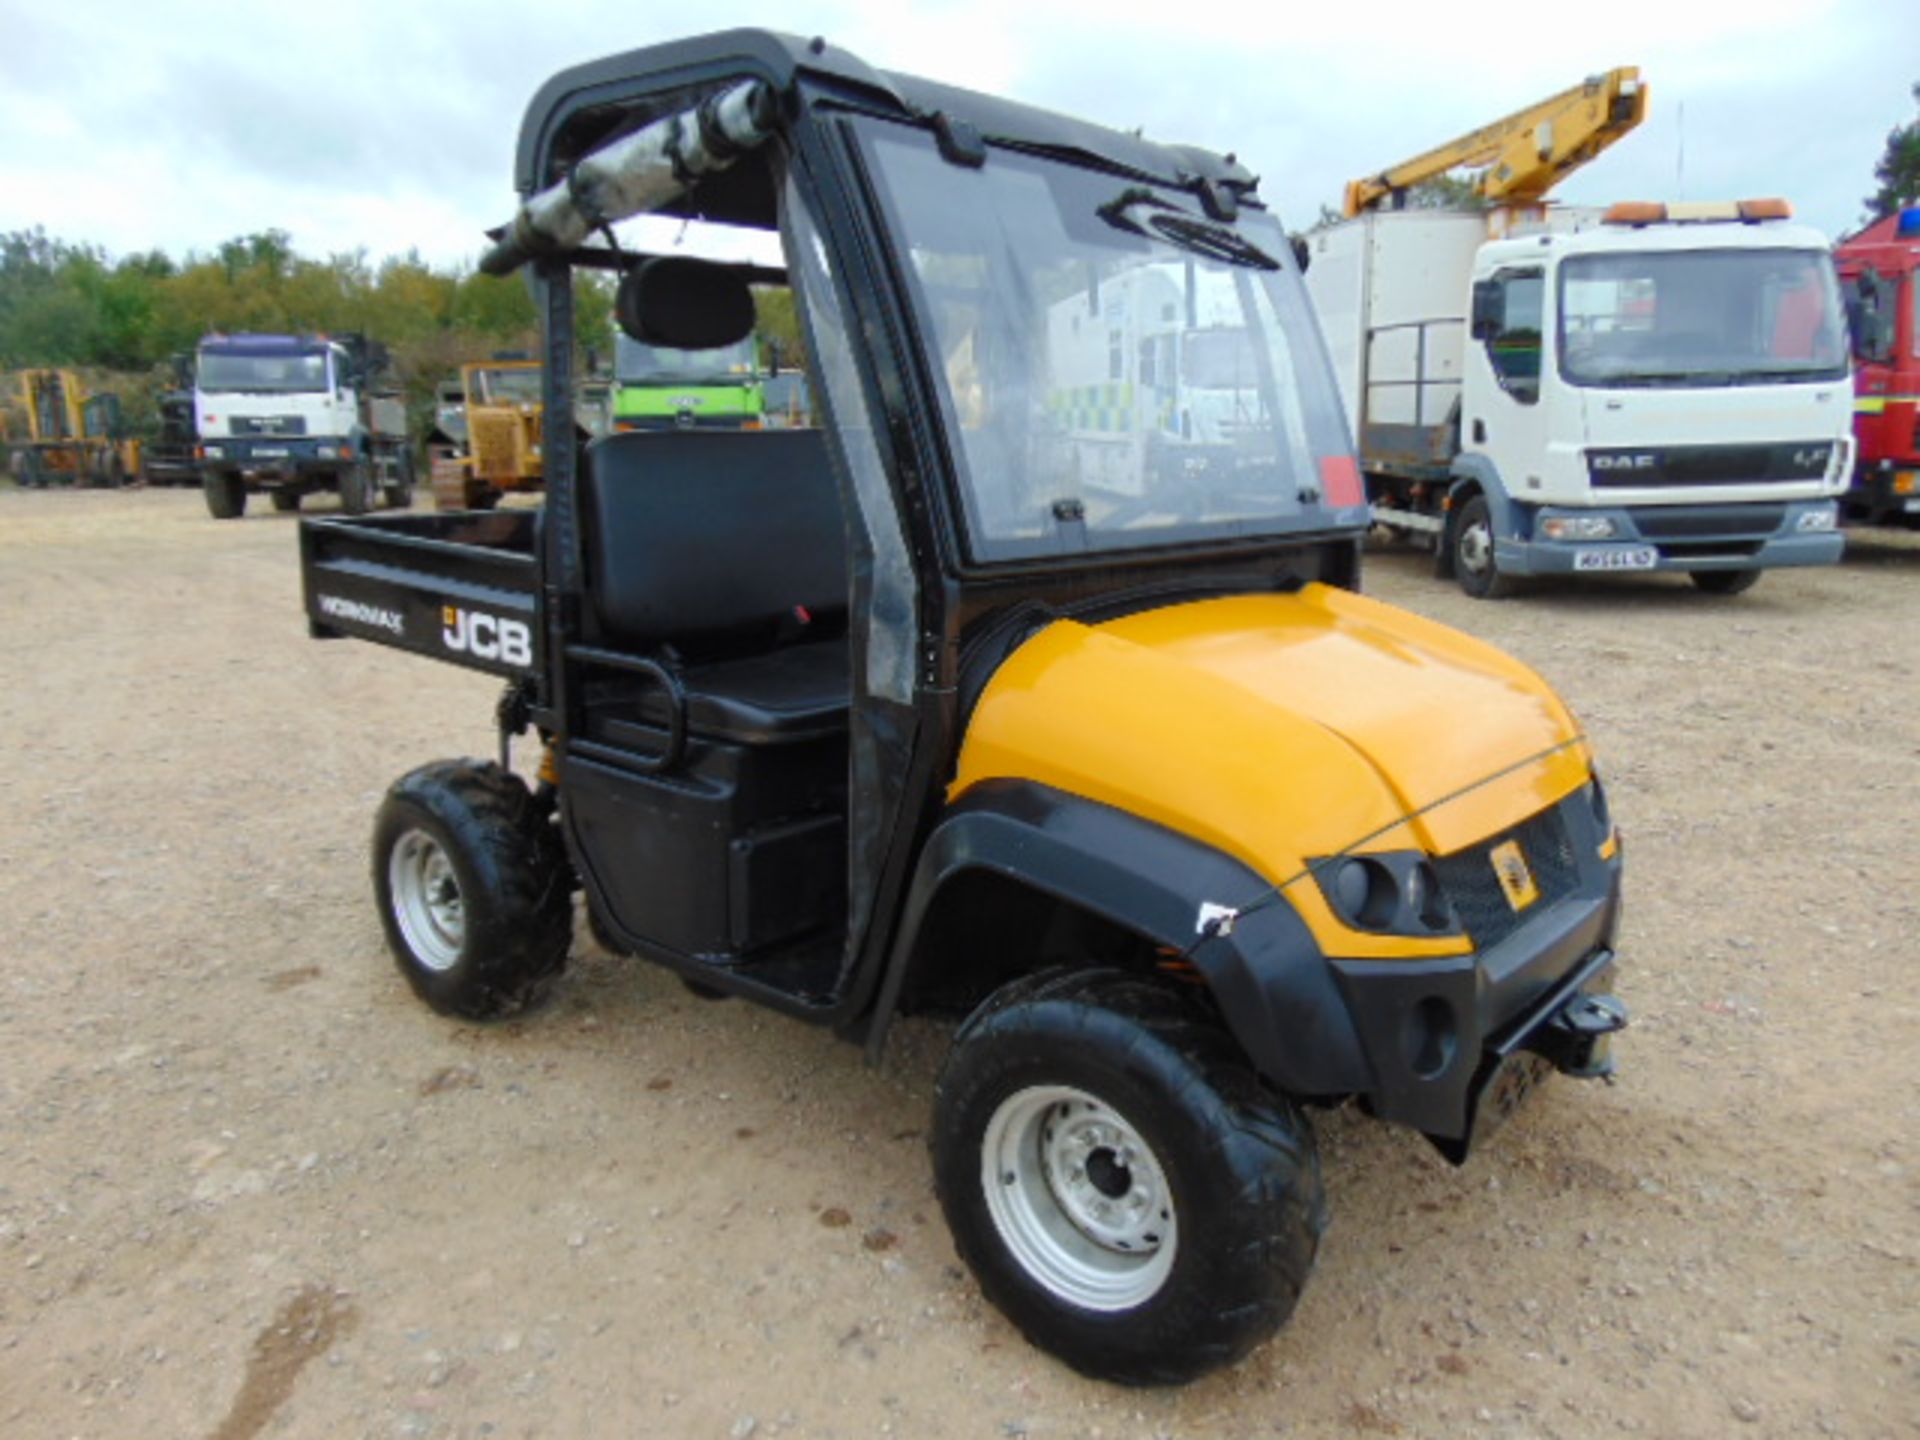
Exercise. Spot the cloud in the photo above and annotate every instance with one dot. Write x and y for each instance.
(390, 126)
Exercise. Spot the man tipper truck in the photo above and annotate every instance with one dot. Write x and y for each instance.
(292, 414)
(1878, 267)
(1544, 391)
(919, 711)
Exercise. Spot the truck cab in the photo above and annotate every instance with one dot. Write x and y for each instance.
(1649, 388)
(1878, 270)
(956, 705)
(288, 415)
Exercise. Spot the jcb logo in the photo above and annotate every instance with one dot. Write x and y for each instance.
(488, 637)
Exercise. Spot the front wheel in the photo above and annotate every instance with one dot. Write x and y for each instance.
(1724, 582)
(473, 888)
(1473, 561)
(1121, 1184)
(399, 494)
(226, 494)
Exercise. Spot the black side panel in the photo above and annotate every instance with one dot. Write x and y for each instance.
(1274, 989)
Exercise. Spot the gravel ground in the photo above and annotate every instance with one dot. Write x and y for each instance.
(248, 1185)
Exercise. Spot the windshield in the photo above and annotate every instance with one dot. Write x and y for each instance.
(1700, 317)
(516, 385)
(276, 372)
(1118, 371)
(637, 364)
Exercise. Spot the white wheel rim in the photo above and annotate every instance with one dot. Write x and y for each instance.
(426, 900)
(1476, 547)
(1078, 1198)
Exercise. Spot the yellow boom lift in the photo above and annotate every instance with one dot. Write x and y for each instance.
(1522, 157)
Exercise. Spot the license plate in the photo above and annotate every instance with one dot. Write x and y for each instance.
(1617, 557)
(267, 452)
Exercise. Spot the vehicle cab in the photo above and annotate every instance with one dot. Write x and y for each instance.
(1665, 390)
(1877, 274)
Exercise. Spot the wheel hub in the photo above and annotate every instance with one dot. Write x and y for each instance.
(1476, 548)
(427, 902)
(1078, 1197)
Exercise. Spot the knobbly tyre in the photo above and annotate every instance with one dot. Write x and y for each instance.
(962, 704)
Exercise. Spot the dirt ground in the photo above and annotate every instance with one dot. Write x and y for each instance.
(250, 1186)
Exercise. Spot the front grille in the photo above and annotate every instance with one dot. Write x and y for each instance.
(269, 425)
(1655, 466)
(1468, 880)
(1718, 521)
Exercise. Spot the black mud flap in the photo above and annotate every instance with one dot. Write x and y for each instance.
(1570, 1031)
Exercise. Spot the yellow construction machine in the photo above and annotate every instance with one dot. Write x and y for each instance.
(487, 435)
(73, 438)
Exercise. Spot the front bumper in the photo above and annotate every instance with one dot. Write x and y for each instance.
(275, 455)
(1887, 491)
(1758, 536)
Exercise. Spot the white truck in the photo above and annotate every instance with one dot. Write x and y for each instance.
(1646, 388)
(291, 414)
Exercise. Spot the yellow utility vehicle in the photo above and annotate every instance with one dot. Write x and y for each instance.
(964, 704)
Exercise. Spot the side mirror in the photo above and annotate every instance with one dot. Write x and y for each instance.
(1489, 308)
(776, 357)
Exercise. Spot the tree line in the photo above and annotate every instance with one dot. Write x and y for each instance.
(120, 322)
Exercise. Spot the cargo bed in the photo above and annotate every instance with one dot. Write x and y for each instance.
(461, 587)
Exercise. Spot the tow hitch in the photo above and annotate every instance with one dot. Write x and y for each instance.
(1577, 1039)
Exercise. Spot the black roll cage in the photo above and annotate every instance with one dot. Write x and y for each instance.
(816, 88)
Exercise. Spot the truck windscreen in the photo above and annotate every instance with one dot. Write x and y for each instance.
(275, 372)
(1700, 317)
(1117, 369)
(637, 364)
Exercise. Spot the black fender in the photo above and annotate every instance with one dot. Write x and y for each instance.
(1277, 992)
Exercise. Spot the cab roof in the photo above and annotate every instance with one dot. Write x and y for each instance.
(581, 108)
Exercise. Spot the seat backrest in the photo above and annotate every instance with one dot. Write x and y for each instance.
(712, 540)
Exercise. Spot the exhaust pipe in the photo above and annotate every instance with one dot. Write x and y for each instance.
(637, 173)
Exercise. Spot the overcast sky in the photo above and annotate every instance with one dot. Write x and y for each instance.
(389, 124)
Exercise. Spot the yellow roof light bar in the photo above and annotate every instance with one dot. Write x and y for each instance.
(1685, 212)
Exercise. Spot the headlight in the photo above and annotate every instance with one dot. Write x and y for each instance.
(1396, 893)
(1821, 519)
(1578, 527)
(214, 452)
(327, 452)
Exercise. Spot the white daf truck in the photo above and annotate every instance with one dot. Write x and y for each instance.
(293, 414)
(1646, 388)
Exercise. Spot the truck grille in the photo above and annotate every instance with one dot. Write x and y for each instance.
(269, 425)
(1653, 466)
(1468, 880)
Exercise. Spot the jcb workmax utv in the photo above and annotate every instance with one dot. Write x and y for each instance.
(1012, 691)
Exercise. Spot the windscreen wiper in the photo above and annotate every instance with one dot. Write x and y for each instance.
(1170, 223)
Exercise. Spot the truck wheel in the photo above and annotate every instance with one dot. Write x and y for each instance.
(285, 500)
(400, 493)
(1122, 1186)
(1724, 582)
(1472, 543)
(356, 488)
(226, 494)
(473, 889)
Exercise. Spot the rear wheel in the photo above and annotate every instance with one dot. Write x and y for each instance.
(1120, 1183)
(1724, 582)
(285, 500)
(473, 888)
(356, 488)
(1473, 558)
(399, 494)
(226, 494)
